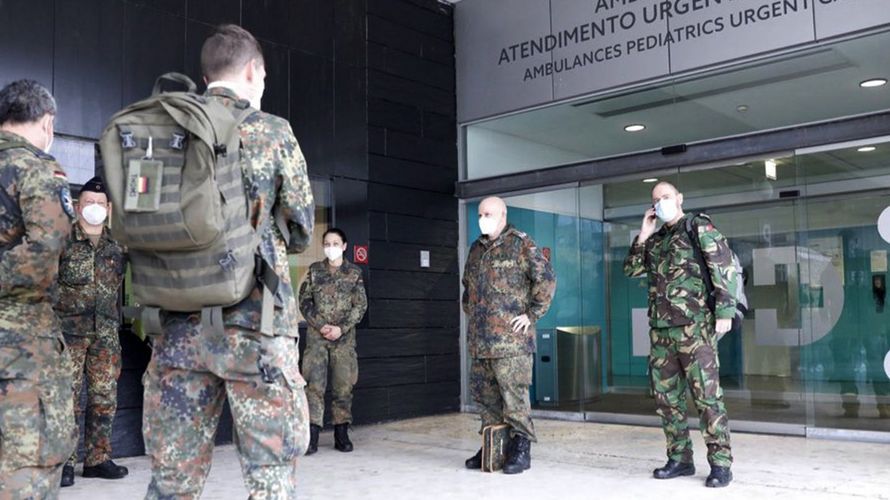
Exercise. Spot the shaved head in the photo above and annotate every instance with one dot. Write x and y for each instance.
(665, 192)
(492, 206)
(661, 187)
(493, 210)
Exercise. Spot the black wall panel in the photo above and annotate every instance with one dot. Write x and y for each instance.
(87, 65)
(26, 38)
(312, 109)
(154, 44)
(214, 11)
(406, 173)
(368, 86)
(407, 342)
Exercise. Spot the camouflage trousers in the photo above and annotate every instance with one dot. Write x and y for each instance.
(37, 431)
(99, 356)
(341, 359)
(500, 387)
(687, 356)
(191, 373)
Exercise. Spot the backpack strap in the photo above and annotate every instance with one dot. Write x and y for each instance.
(692, 234)
(10, 206)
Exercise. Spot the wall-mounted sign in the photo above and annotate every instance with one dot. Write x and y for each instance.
(360, 254)
(513, 54)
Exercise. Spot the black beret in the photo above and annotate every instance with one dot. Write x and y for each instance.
(94, 185)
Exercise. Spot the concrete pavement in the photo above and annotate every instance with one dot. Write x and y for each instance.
(423, 459)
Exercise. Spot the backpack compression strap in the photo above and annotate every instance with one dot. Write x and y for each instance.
(692, 233)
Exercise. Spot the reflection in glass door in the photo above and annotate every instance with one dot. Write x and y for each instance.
(846, 352)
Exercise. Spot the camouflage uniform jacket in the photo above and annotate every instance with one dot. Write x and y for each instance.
(503, 279)
(277, 184)
(35, 218)
(333, 296)
(676, 291)
(90, 279)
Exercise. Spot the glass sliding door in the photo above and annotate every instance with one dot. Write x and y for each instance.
(566, 343)
(756, 204)
(846, 338)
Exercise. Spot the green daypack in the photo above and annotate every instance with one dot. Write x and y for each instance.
(172, 167)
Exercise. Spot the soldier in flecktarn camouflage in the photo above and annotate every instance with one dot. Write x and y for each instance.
(684, 329)
(91, 272)
(508, 287)
(194, 370)
(37, 432)
(333, 301)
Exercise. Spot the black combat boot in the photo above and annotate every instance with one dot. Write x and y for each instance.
(673, 469)
(475, 462)
(313, 439)
(519, 457)
(67, 476)
(106, 470)
(341, 438)
(719, 477)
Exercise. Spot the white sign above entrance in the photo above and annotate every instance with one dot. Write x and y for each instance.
(514, 54)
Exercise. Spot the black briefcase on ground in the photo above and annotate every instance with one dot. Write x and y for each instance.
(495, 439)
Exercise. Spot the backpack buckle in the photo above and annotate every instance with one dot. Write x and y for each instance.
(228, 262)
(127, 140)
(177, 141)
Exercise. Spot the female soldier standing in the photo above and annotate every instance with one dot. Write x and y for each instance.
(333, 301)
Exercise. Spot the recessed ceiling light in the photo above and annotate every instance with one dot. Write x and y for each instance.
(866, 149)
(874, 82)
(650, 180)
(636, 127)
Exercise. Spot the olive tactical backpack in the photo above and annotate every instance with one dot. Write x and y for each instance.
(738, 293)
(172, 167)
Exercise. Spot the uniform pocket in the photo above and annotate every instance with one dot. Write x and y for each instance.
(37, 415)
(76, 272)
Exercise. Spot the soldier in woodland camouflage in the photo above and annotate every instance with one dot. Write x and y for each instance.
(91, 272)
(508, 287)
(194, 370)
(37, 432)
(333, 301)
(684, 329)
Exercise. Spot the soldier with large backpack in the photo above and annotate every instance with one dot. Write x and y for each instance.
(212, 194)
(692, 301)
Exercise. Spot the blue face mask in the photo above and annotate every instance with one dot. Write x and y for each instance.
(666, 210)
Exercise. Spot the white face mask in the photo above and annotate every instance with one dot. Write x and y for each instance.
(666, 210)
(333, 253)
(94, 215)
(488, 225)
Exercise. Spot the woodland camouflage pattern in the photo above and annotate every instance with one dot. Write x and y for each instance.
(332, 296)
(683, 342)
(503, 279)
(37, 431)
(90, 279)
(676, 290)
(192, 371)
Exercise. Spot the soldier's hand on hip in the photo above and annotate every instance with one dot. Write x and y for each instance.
(520, 323)
(722, 326)
(648, 226)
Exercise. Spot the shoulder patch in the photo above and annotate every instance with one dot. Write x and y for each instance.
(65, 200)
